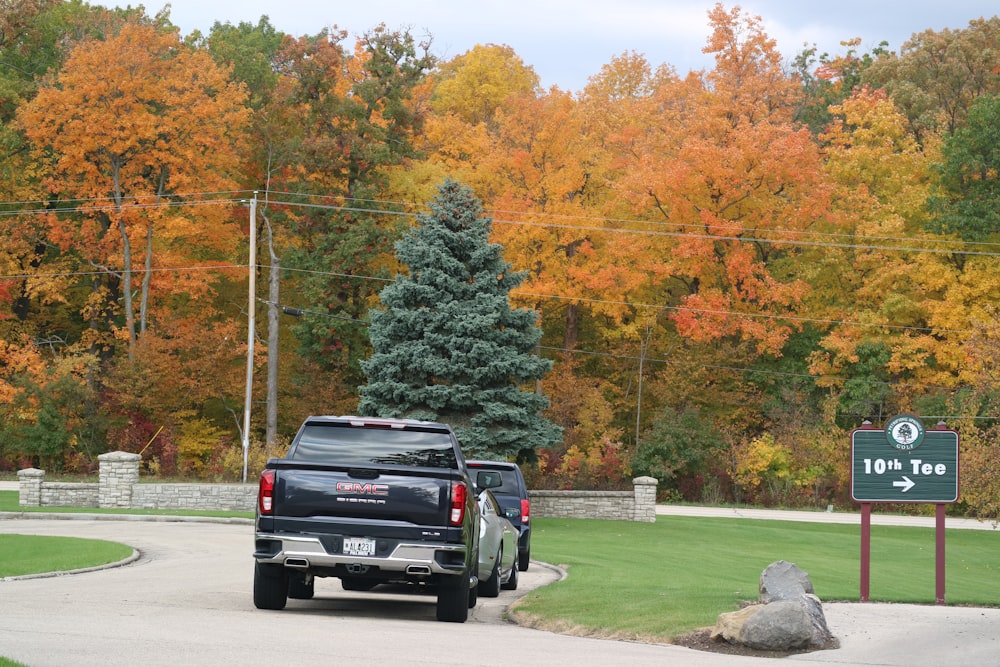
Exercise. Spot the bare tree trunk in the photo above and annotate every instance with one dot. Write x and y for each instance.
(148, 276)
(126, 260)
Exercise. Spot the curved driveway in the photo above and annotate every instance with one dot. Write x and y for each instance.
(187, 601)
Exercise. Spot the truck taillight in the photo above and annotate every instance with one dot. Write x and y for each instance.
(459, 493)
(265, 492)
(525, 510)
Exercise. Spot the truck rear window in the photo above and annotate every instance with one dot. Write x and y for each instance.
(357, 446)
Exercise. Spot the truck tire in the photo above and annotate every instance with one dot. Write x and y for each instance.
(511, 584)
(491, 587)
(523, 559)
(453, 599)
(270, 586)
(298, 589)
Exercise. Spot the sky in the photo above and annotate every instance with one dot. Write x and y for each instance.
(568, 41)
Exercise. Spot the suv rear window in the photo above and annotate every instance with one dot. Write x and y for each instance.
(357, 446)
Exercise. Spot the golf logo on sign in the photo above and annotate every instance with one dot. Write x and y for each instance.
(904, 432)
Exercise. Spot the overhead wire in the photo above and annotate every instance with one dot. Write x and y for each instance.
(243, 197)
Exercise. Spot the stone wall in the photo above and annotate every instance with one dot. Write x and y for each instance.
(119, 487)
(229, 497)
(636, 505)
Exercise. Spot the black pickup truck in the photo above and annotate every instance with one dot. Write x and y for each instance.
(370, 501)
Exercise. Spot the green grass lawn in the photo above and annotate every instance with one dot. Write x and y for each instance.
(32, 554)
(660, 580)
(664, 579)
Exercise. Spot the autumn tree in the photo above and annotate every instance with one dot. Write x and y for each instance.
(735, 181)
(348, 123)
(43, 408)
(828, 80)
(937, 75)
(475, 84)
(460, 98)
(448, 346)
(135, 132)
(723, 185)
(130, 124)
(32, 36)
(905, 309)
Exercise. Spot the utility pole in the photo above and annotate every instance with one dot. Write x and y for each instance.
(273, 330)
(251, 311)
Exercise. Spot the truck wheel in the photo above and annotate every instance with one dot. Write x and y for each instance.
(491, 587)
(298, 589)
(523, 559)
(453, 599)
(473, 596)
(511, 584)
(270, 586)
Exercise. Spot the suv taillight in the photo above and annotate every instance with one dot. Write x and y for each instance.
(265, 492)
(459, 493)
(525, 510)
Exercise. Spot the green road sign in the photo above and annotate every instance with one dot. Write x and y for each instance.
(885, 468)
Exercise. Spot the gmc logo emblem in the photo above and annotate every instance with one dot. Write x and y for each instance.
(366, 489)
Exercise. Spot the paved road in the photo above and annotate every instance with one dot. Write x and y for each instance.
(187, 601)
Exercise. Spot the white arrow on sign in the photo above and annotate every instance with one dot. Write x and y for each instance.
(906, 484)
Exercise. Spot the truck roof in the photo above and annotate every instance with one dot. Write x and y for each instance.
(390, 422)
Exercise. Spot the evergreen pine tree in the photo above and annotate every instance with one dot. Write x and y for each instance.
(448, 347)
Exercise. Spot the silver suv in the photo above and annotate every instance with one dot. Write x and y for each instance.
(507, 484)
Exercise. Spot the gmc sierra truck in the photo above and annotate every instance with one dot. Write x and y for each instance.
(370, 501)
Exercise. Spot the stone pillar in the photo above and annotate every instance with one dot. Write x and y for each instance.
(30, 489)
(644, 489)
(119, 471)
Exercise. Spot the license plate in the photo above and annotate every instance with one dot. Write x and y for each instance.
(359, 546)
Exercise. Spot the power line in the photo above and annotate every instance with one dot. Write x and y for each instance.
(518, 293)
(235, 197)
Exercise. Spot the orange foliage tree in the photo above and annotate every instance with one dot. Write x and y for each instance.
(128, 125)
(138, 134)
(734, 183)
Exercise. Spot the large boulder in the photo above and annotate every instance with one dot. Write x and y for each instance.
(782, 625)
(782, 580)
(789, 617)
(821, 635)
(729, 624)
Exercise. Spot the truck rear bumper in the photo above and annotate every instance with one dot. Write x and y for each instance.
(307, 552)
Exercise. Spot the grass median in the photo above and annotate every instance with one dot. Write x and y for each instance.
(34, 554)
(656, 581)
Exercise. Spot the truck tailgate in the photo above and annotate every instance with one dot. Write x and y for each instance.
(343, 493)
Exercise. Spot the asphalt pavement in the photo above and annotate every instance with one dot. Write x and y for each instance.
(870, 634)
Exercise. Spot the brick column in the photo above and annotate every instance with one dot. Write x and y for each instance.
(645, 499)
(30, 490)
(119, 471)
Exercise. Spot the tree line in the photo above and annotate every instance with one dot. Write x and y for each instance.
(730, 268)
